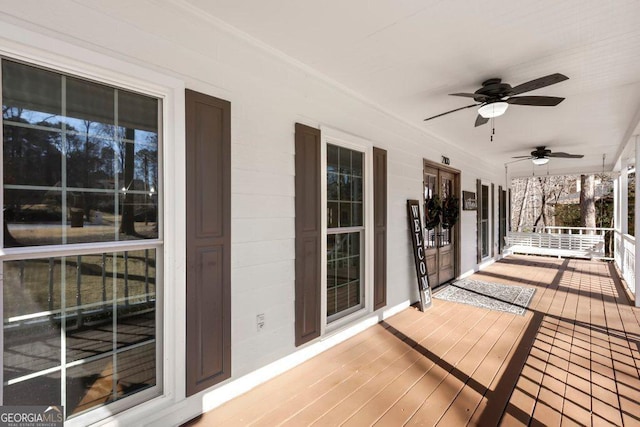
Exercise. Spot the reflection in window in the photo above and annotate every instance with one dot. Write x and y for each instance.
(80, 160)
(103, 305)
(80, 165)
(344, 211)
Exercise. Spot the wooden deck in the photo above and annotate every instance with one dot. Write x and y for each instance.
(572, 359)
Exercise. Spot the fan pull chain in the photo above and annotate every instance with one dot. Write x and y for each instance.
(493, 128)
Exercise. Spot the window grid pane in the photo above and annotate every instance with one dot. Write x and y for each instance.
(104, 307)
(80, 160)
(343, 272)
(344, 187)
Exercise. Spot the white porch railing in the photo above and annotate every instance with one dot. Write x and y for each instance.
(625, 258)
(576, 242)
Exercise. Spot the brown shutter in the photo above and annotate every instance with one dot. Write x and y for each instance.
(208, 213)
(479, 220)
(500, 218)
(308, 233)
(492, 234)
(509, 211)
(380, 228)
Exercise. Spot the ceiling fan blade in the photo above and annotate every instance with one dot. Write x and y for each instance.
(452, 111)
(477, 96)
(539, 101)
(480, 120)
(518, 160)
(539, 83)
(566, 155)
(522, 157)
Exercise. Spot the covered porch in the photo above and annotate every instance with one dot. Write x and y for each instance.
(573, 359)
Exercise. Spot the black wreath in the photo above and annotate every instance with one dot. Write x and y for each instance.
(450, 211)
(432, 212)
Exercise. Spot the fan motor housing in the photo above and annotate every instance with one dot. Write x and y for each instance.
(540, 152)
(494, 89)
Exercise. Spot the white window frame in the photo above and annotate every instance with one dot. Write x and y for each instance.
(352, 142)
(70, 59)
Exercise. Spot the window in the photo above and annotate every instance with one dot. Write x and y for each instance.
(502, 217)
(82, 241)
(484, 221)
(345, 231)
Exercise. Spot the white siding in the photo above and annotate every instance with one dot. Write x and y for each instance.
(268, 94)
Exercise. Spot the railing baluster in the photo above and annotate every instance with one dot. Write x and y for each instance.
(79, 319)
(146, 273)
(104, 280)
(126, 278)
(21, 274)
(50, 299)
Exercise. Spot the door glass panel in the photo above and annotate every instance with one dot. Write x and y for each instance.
(430, 191)
(446, 191)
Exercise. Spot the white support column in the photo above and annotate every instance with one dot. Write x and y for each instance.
(616, 203)
(636, 222)
(617, 250)
(624, 191)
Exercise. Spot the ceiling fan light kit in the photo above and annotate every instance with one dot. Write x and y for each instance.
(539, 161)
(494, 109)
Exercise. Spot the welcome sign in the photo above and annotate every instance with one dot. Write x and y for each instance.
(415, 228)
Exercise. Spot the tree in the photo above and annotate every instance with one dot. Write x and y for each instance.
(535, 198)
(551, 189)
(523, 206)
(587, 201)
(127, 225)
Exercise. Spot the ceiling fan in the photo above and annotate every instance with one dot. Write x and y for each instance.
(494, 97)
(541, 155)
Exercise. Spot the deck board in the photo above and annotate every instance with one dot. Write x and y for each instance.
(572, 359)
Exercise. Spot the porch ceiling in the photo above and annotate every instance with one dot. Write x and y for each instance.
(407, 56)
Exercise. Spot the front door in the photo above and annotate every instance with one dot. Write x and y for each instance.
(440, 241)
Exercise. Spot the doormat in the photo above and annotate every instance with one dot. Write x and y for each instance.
(494, 296)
